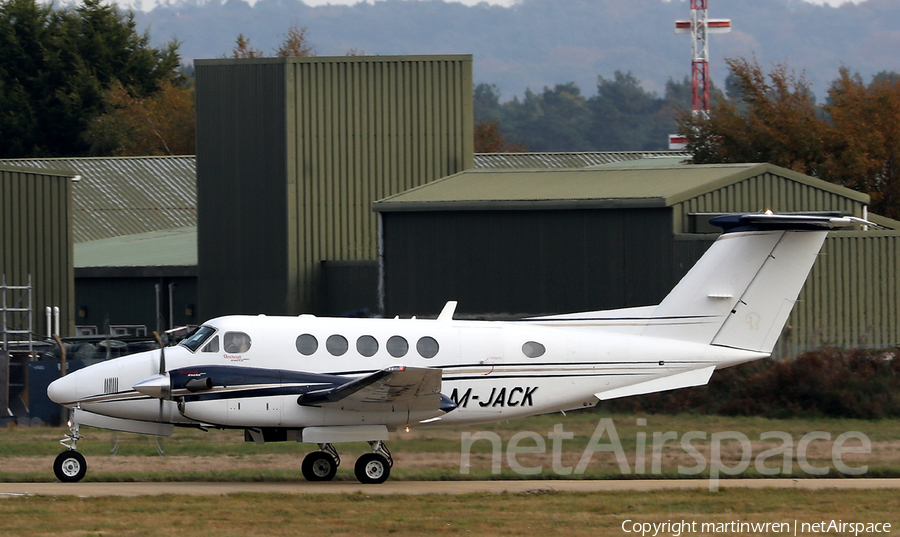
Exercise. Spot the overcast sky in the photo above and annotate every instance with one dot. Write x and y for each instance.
(147, 5)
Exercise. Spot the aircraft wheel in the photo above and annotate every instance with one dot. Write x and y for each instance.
(319, 466)
(372, 469)
(69, 466)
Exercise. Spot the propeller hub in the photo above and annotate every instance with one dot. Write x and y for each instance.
(159, 386)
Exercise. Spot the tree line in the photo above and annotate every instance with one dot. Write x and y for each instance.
(621, 116)
(81, 80)
(59, 70)
(853, 139)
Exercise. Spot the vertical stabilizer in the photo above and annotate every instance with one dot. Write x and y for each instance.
(740, 293)
(756, 321)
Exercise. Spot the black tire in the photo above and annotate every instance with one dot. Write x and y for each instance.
(372, 469)
(69, 466)
(319, 466)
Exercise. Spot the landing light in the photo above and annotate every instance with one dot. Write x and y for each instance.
(407, 429)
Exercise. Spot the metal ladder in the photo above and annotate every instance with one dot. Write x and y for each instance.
(17, 312)
(18, 315)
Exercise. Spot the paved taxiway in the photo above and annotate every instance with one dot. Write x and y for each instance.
(425, 487)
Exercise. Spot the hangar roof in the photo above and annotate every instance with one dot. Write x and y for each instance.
(171, 247)
(561, 159)
(126, 195)
(120, 196)
(600, 187)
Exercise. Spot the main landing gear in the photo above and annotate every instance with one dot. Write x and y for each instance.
(370, 469)
(70, 465)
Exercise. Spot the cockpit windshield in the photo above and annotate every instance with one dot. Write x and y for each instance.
(195, 340)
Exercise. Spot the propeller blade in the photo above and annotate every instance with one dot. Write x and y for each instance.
(162, 352)
(162, 369)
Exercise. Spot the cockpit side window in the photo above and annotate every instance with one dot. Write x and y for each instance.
(195, 340)
(212, 346)
(236, 342)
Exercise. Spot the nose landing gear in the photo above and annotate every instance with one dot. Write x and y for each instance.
(70, 465)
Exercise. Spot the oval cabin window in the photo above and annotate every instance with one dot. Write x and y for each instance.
(336, 345)
(307, 344)
(427, 347)
(367, 345)
(533, 349)
(397, 347)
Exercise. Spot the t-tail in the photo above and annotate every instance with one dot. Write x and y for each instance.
(741, 291)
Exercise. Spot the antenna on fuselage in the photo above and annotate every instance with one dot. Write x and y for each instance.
(448, 311)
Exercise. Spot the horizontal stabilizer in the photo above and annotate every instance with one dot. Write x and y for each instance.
(688, 379)
(731, 223)
(83, 417)
(394, 388)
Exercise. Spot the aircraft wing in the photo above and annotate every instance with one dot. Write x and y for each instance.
(396, 389)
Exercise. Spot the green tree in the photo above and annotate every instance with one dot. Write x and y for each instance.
(864, 144)
(554, 120)
(486, 103)
(160, 124)
(489, 139)
(243, 49)
(852, 140)
(295, 44)
(56, 64)
(623, 115)
(774, 119)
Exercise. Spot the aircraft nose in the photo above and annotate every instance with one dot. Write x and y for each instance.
(63, 390)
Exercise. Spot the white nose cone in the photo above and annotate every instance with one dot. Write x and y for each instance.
(158, 386)
(64, 390)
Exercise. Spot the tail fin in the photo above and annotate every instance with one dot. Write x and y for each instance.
(740, 293)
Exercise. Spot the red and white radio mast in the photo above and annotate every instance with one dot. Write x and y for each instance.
(699, 27)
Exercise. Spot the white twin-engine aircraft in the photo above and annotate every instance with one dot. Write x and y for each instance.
(331, 380)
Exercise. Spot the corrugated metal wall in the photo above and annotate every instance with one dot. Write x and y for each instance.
(36, 239)
(761, 192)
(526, 262)
(852, 296)
(125, 300)
(119, 196)
(304, 146)
(241, 176)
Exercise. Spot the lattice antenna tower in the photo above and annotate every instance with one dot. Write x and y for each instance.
(699, 27)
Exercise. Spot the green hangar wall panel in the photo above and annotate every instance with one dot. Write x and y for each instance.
(36, 241)
(852, 296)
(291, 154)
(763, 187)
(526, 262)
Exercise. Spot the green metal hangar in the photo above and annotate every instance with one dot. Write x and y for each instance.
(35, 248)
(132, 229)
(529, 242)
